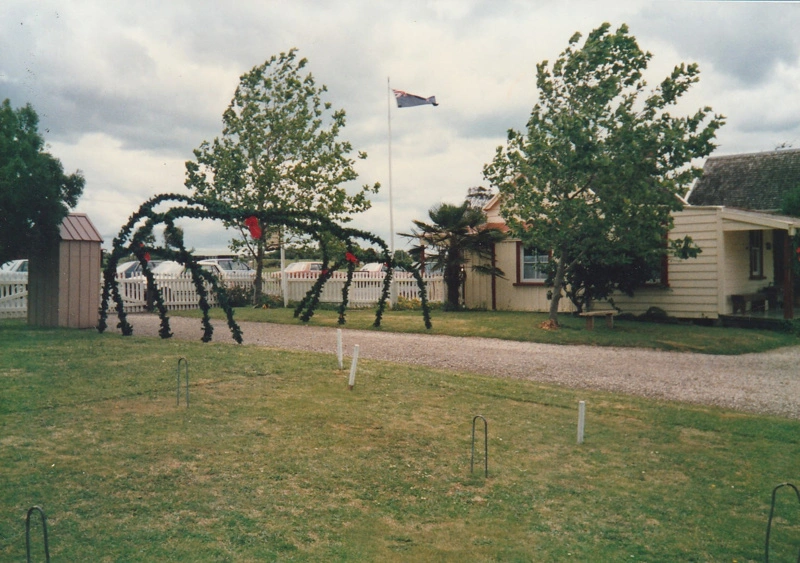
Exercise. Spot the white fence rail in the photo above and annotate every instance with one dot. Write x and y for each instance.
(179, 291)
(13, 295)
(364, 290)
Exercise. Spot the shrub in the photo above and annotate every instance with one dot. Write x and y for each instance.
(240, 296)
(413, 304)
(270, 301)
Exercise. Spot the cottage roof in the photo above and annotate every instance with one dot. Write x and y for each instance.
(754, 181)
(78, 227)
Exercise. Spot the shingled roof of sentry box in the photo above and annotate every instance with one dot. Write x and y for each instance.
(78, 227)
(754, 181)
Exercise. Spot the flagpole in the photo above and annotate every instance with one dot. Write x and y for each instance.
(391, 208)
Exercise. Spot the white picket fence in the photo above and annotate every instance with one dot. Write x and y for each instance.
(179, 291)
(13, 295)
(364, 289)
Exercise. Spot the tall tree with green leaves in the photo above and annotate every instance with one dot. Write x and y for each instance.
(455, 235)
(603, 162)
(279, 150)
(35, 194)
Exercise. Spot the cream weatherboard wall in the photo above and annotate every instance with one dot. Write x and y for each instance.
(697, 288)
(696, 285)
(509, 296)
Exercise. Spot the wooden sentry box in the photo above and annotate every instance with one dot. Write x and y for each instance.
(64, 282)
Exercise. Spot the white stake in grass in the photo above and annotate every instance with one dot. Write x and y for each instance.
(353, 368)
(339, 347)
(581, 420)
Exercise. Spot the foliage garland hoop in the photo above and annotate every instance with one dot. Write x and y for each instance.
(318, 226)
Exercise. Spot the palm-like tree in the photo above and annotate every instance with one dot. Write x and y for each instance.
(455, 234)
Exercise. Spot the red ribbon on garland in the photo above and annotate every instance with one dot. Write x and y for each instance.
(146, 254)
(252, 224)
(350, 257)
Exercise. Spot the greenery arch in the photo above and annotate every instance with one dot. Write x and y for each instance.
(322, 229)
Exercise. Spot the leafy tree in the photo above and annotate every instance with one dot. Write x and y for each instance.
(791, 206)
(603, 162)
(479, 196)
(446, 243)
(173, 236)
(35, 194)
(279, 150)
(791, 202)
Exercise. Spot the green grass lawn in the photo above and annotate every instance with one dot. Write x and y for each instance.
(523, 326)
(275, 460)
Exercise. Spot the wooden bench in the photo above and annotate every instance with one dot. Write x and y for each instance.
(740, 301)
(590, 316)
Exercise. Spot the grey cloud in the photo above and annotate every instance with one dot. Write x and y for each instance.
(762, 124)
(745, 40)
(493, 125)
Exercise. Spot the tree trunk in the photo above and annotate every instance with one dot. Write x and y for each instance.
(558, 283)
(452, 278)
(259, 271)
(453, 282)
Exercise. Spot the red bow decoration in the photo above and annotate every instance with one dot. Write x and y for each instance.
(146, 254)
(324, 272)
(350, 257)
(252, 224)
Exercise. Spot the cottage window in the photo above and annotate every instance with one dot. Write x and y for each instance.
(756, 255)
(531, 265)
(660, 274)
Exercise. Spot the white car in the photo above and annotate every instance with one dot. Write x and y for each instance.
(227, 268)
(134, 268)
(223, 268)
(301, 269)
(378, 269)
(169, 268)
(15, 266)
(374, 267)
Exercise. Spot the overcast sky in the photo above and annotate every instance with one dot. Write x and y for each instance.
(126, 90)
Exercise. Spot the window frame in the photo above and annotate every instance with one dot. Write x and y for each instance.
(663, 275)
(755, 249)
(521, 266)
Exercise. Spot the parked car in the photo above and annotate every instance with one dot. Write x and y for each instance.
(223, 268)
(134, 268)
(15, 266)
(378, 269)
(300, 268)
(227, 267)
(374, 267)
(169, 268)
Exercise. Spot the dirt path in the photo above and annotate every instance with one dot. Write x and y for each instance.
(766, 383)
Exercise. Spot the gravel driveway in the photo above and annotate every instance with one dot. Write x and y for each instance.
(766, 383)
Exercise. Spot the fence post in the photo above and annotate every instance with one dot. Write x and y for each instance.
(353, 368)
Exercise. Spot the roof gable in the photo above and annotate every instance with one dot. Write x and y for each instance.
(755, 181)
(78, 227)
